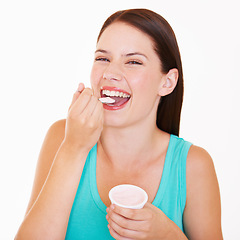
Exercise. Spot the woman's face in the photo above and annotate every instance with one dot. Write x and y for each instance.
(127, 68)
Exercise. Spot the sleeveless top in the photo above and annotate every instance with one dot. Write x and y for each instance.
(88, 215)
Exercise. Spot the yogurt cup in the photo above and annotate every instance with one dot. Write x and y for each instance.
(128, 196)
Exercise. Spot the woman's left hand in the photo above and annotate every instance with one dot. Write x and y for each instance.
(146, 223)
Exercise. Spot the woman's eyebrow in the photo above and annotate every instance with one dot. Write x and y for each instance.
(101, 51)
(125, 55)
(136, 53)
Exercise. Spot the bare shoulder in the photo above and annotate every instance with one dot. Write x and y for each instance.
(202, 214)
(51, 143)
(50, 146)
(200, 171)
(53, 139)
(57, 129)
(198, 161)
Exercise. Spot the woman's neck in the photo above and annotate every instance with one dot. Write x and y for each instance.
(129, 146)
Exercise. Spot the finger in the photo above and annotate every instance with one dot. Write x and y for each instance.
(134, 214)
(86, 91)
(80, 87)
(115, 235)
(122, 233)
(75, 97)
(98, 113)
(137, 228)
(97, 116)
(123, 222)
(94, 119)
(82, 101)
(77, 94)
(91, 108)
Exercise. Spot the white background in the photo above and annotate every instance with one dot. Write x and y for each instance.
(46, 49)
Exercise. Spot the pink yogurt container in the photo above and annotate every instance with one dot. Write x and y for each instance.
(128, 196)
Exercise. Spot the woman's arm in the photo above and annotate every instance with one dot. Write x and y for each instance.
(202, 214)
(49, 149)
(57, 180)
(48, 215)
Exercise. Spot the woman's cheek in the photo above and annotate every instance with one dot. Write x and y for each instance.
(95, 76)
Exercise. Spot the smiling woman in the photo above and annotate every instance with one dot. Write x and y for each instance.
(131, 140)
(130, 66)
(165, 45)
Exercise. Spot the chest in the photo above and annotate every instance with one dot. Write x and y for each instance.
(148, 178)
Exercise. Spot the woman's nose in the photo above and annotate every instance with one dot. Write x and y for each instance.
(112, 72)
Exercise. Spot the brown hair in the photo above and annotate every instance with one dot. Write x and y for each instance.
(166, 47)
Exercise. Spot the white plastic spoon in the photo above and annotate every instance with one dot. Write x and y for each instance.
(106, 100)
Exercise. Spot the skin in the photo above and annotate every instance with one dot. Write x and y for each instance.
(68, 142)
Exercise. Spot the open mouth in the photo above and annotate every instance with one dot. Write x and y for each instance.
(121, 97)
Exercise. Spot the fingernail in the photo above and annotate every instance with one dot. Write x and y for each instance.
(80, 87)
(112, 207)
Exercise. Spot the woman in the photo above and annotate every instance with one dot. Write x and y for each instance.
(133, 140)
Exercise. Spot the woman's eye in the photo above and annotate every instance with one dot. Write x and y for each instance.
(102, 59)
(134, 63)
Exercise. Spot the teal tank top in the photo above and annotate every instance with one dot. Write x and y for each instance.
(88, 215)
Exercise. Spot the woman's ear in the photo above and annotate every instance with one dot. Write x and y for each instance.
(169, 82)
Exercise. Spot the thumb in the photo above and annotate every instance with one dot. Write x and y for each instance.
(151, 206)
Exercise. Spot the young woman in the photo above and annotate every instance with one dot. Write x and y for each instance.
(134, 140)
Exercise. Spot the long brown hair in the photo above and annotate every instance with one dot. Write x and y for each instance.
(166, 47)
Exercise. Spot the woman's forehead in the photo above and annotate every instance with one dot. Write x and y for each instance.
(126, 37)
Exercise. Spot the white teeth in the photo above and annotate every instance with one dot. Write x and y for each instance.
(112, 93)
(115, 94)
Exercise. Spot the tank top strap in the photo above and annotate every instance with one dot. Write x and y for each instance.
(174, 172)
(184, 147)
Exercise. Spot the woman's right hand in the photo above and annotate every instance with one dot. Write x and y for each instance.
(84, 122)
